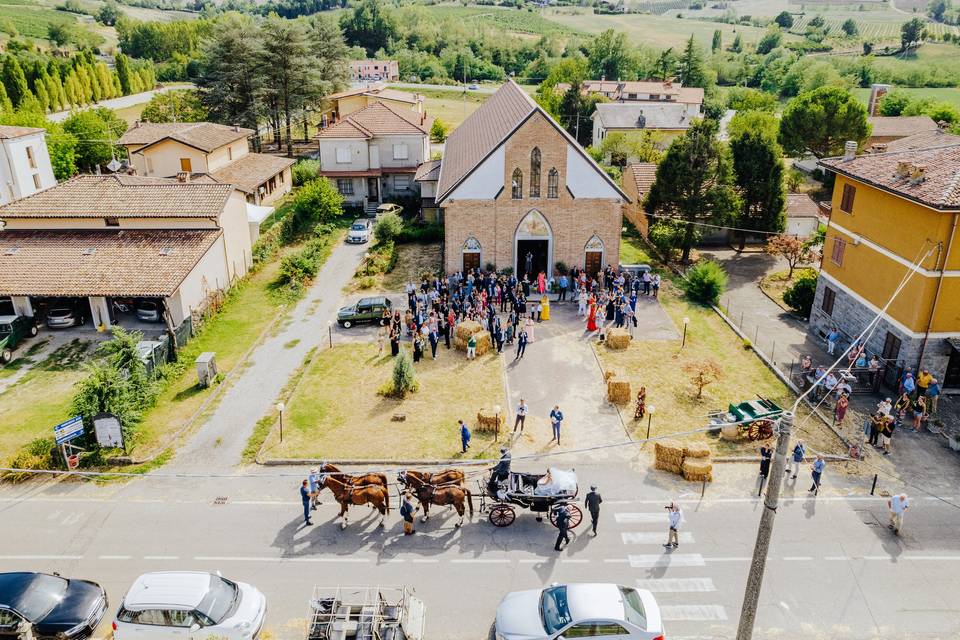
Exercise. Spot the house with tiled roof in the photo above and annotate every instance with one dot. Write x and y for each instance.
(636, 181)
(24, 162)
(894, 220)
(644, 92)
(342, 104)
(886, 129)
(667, 121)
(372, 155)
(924, 140)
(518, 192)
(97, 238)
(167, 149)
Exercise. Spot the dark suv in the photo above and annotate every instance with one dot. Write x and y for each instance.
(366, 310)
(13, 329)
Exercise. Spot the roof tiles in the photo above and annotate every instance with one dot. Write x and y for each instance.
(205, 136)
(377, 119)
(250, 171)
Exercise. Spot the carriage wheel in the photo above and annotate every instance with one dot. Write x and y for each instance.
(760, 430)
(502, 515)
(576, 516)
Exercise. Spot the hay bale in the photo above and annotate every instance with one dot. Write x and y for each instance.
(487, 420)
(466, 329)
(697, 470)
(618, 339)
(666, 466)
(730, 432)
(669, 453)
(697, 450)
(618, 391)
(484, 343)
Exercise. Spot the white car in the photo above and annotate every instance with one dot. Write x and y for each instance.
(579, 611)
(359, 231)
(192, 605)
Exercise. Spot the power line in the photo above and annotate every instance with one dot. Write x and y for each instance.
(713, 226)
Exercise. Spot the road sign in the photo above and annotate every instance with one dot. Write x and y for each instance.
(107, 428)
(67, 431)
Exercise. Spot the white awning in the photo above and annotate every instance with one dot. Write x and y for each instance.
(257, 214)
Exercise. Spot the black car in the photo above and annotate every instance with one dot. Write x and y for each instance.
(50, 606)
(366, 310)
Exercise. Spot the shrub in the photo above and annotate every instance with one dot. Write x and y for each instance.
(304, 171)
(666, 236)
(317, 201)
(404, 377)
(421, 233)
(799, 296)
(439, 131)
(705, 282)
(387, 228)
(39, 454)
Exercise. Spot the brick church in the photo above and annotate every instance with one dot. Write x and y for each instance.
(518, 191)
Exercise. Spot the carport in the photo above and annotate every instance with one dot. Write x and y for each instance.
(179, 267)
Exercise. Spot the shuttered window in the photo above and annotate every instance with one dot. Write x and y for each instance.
(839, 247)
(846, 201)
(829, 297)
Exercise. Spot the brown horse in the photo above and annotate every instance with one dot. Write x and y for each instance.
(365, 479)
(444, 488)
(346, 491)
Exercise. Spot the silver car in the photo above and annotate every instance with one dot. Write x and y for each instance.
(359, 231)
(579, 611)
(149, 311)
(62, 317)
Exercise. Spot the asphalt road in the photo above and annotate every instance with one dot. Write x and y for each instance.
(835, 571)
(121, 102)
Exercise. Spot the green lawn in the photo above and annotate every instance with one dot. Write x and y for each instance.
(633, 251)
(947, 94)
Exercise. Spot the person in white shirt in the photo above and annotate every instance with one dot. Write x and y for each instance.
(582, 302)
(676, 519)
(885, 406)
(898, 506)
(522, 410)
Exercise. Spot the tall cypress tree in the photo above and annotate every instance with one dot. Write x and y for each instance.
(123, 73)
(693, 71)
(5, 105)
(15, 81)
(717, 43)
(758, 166)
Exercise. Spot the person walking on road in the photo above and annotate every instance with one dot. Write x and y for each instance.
(817, 473)
(592, 502)
(522, 410)
(556, 418)
(563, 526)
(305, 498)
(464, 436)
(798, 452)
(675, 516)
(522, 339)
(407, 511)
(898, 506)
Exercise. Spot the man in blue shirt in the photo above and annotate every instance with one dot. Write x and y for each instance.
(832, 339)
(556, 417)
(563, 288)
(464, 436)
(305, 498)
(314, 485)
(818, 466)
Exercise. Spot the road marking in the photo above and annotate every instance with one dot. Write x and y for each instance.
(666, 560)
(652, 537)
(842, 558)
(616, 560)
(640, 518)
(161, 557)
(480, 561)
(677, 585)
(676, 613)
(41, 557)
(114, 557)
(797, 558)
(730, 559)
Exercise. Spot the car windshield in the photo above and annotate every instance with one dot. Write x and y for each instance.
(633, 607)
(359, 226)
(554, 611)
(45, 592)
(59, 313)
(219, 599)
(148, 306)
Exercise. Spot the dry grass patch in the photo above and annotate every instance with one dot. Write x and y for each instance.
(412, 260)
(336, 413)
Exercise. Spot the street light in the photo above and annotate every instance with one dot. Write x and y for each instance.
(280, 408)
(650, 411)
(686, 321)
(330, 332)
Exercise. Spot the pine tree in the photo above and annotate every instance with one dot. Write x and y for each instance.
(737, 45)
(42, 96)
(123, 73)
(6, 106)
(758, 167)
(717, 44)
(15, 81)
(693, 71)
(230, 73)
(86, 87)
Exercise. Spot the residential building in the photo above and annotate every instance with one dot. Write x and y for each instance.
(518, 192)
(644, 91)
(924, 140)
(373, 153)
(168, 149)
(427, 176)
(803, 216)
(92, 239)
(368, 70)
(346, 102)
(25, 167)
(667, 120)
(894, 219)
(887, 129)
(636, 181)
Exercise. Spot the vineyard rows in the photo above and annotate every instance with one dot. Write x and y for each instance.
(659, 7)
(870, 31)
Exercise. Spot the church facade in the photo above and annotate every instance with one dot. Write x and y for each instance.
(518, 192)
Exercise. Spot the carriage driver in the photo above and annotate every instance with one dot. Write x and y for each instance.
(501, 471)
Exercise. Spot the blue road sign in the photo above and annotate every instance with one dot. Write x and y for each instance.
(67, 431)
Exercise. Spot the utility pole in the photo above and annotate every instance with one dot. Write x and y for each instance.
(755, 578)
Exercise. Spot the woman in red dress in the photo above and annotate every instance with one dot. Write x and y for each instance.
(592, 316)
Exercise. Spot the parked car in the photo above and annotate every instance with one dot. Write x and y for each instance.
(64, 315)
(48, 606)
(149, 311)
(366, 310)
(359, 231)
(194, 604)
(473, 87)
(389, 208)
(13, 330)
(579, 611)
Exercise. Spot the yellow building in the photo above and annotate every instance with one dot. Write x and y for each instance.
(346, 102)
(894, 217)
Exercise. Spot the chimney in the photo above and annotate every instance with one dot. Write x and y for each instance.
(919, 174)
(236, 128)
(183, 176)
(904, 169)
(136, 124)
(879, 147)
(849, 150)
(943, 125)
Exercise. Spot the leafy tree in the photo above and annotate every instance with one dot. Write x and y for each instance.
(316, 202)
(105, 390)
(179, 105)
(575, 111)
(693, 71)
(109, 13)
(938, 8)
(717, 43)
(817, 22)
(96, 130)
(122, 64)
(793, 250)
(230, 73)
(609, 55)
(937, 110)
(795, 179)
(387, 228)
(330, 53)
(771, 39)
(746, 99)
(666, 64)
(371, 25)
(737, 46)
(619, 148)
(667, 236)
(784, 20)
(758, 166)
(705, 282)
(404, 377)
(304, 171)
(894, 103)
(61, 33)
(703, 373)
(694, 182)
(439, 131)
(912, 33)
(849, 27)
(800, 295)
(15, 81)
(821, 121)
(6, 105)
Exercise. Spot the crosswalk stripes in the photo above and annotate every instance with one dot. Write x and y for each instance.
(680, 594)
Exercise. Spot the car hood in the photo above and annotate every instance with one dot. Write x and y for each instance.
(250, 611)
(80, 601)
(346, 311)
(518, 616)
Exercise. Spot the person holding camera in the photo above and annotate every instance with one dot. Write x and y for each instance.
(675, 515)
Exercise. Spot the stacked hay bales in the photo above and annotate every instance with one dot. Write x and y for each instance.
(618, 339)
(488, 419)
(668, 455)
(469, 328)
(691, 460)
(618, 390)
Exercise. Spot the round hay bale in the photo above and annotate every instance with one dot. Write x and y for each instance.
(668, 452)
(730, 432)
(618, 391)
(697, 470)
(696, 450)
(466, 329)
(618, 339)
(487, 420)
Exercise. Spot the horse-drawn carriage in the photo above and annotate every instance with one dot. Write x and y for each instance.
(753, 418)
(538, 493)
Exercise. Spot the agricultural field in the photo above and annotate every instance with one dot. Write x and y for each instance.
(31, 19)
(947, 94)
(509, 20)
